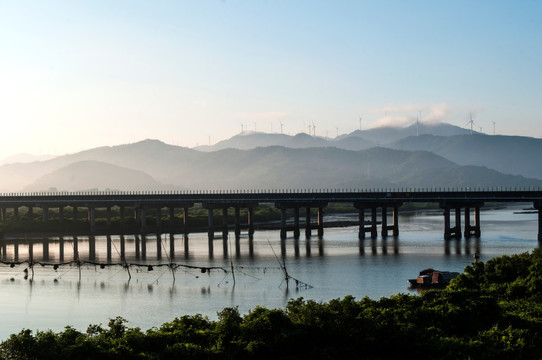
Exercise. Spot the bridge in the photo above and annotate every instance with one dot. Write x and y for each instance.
(367, 203)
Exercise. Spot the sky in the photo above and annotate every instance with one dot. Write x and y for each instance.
(81, 74)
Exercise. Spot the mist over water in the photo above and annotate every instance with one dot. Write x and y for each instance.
(334, 266)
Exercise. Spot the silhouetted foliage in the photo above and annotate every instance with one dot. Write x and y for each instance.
(491, 311)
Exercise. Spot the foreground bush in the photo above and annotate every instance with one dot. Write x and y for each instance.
(491, 311)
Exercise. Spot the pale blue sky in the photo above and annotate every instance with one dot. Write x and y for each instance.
(80, 74)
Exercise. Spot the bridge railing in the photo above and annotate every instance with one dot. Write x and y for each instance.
(274, 191)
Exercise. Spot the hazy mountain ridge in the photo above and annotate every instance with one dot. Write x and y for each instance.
(507, 154)
(351, 161)
(274, 167)
(88, 174)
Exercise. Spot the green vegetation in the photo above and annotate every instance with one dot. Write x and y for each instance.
(491, 311)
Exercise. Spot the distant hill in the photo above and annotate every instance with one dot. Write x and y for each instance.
(507, 154)
(387, 135)
(151, 164)
(357, 140)
(87, 175)
(252, 140)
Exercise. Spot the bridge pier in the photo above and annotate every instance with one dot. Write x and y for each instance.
(455, 232)
(308, 230)
(143, 218)
(158, 220)
(108, 217)
(44, 214)
(538, 206)
(283, 223)
(237, 222)
(394, 227)
(320, 222)
(61, 214)
(472, 230)
(295, 205)
(121, 219)
(296, 223)
(92, 219)
(372, 225)
(210, 230)
(185, 222)
(225, 231)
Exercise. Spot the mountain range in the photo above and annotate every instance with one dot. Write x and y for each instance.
(421, 155)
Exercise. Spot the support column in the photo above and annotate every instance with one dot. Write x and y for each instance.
(171, 220)
(158, 220)
(250, 220)
(361, 219)
(468, 228)
(61, 249)
(296, 222)
(3, 214)
(538, 206)
(447, 230)
(91, 247)
(308, 222)
(121, 219)
(92, 219)
(210, 229)
(395, 221)
(44, 214)
(185, 222)
(283, 223)
(122, 248)
(30, 213)
(159, 246)
(384, 221)
(373, 223)
(137, 247)
(108, 247)
(16, 213)
(75, 248)
(458, 223)
(108, 217)
(143, 247)
(75, 214)
(171, 246)
(477, 225)
(237, 222)
(225, 231)
(320, 222)
(45, 253)
(143, 218)
(61, 214)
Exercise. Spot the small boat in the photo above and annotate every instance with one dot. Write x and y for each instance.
(431, 278)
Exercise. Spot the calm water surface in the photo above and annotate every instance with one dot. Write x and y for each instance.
(334, 266)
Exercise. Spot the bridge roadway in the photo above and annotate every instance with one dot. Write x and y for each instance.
(452, 201)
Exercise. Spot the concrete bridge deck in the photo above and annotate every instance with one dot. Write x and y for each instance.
(452, 201)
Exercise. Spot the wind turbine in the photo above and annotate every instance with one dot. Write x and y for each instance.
(313, 129)
(471, 122)
(242, 128)
(360, 123)
(493, 128)
(281, 125)
(336, 127)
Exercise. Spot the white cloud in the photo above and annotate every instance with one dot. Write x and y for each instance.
(406, 114)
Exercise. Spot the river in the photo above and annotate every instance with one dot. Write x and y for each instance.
(332, 267)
